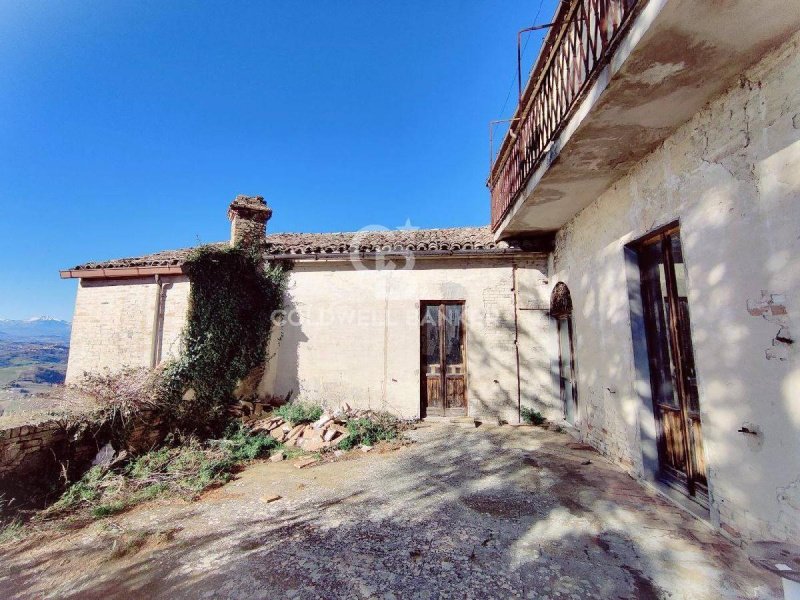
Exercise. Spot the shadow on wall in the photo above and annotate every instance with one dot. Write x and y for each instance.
(491, 364)
(747, 376)
(493, 401)
(281, 375)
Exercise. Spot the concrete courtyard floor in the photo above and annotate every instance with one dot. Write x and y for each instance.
(492, 512)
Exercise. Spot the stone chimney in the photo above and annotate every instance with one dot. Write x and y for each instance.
(249, 216)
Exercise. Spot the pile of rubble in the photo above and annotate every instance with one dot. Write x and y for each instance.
(328, 431)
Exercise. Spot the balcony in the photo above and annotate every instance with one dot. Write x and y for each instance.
(612, 81)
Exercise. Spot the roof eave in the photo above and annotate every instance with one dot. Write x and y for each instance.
(121, 272)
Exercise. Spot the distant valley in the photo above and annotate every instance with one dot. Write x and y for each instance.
(33, 358)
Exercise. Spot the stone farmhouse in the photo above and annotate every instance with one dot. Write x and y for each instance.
(365, 314)
(638, 281)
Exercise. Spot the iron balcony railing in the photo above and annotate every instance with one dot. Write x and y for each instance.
(583, 37)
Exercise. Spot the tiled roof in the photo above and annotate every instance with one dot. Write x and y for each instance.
(418, 240)
(459, 240)
(167, 258)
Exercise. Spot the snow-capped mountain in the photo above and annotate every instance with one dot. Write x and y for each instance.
(36, 328)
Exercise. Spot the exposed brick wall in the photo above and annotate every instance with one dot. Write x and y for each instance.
(247, 231)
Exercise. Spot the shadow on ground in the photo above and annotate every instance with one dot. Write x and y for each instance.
(494, 512)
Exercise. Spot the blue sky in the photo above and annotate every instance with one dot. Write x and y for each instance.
(127, 127)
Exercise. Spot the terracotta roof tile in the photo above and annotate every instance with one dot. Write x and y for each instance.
(459, 240)
(422, 240)
(167, 258)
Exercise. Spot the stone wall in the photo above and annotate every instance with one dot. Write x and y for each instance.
(40, 452)
(353, 335)
(731, 176)
(112, 326)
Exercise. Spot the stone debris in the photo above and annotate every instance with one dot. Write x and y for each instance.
(252, 409)
(321, 436)
(306, 462)
(324, 433)
(323, 420)
(104, 456)
(271, 498)
(312, 442)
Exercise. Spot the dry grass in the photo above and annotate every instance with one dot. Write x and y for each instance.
(123, 393)
(183, 470)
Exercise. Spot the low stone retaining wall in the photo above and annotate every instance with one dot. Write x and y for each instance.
(40, 451)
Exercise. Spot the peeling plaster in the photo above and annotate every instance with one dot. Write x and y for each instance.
(772, 308)
(658, 72)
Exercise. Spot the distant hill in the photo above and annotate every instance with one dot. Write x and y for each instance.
(33, 359)
(36, 329)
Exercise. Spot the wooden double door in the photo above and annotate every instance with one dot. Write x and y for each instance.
(443, 359)
(676, 401)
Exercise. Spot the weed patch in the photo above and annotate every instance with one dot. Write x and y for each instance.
(532, 417)
(369, 431)
(10, 531)
(184, 470)
(296, 412)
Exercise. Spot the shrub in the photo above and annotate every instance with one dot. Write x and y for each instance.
(297, 413)
(232, 301)
(123, 396)
(531, 416)
(367, 432)
(85, 491)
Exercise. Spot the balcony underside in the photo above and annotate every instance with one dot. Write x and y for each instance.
(676, 57)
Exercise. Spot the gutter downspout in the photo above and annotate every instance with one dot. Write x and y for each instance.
(516, 340)
(156, 319)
